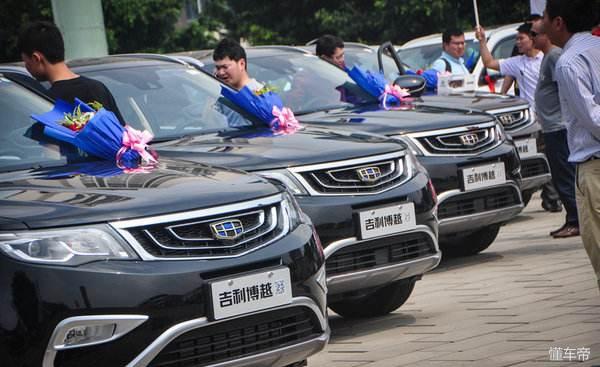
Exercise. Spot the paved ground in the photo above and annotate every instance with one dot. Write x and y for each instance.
(507, 306)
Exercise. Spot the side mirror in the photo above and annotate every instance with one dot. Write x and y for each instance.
(415, 84)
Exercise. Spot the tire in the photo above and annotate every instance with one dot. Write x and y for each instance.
(526, 195)
(471, 244)
(381, 302)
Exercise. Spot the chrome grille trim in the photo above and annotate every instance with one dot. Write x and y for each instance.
(276, 200)
(331, 173)
(399, 156)
(272, 225)
(513, 118)
(172, 229)
(423, 142)
(396, 171)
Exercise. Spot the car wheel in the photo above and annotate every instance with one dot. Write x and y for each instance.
(471, 244)
(381, 302)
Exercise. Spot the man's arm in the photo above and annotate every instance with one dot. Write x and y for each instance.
(577, 89)
(506, 84)
(484, 51)
(439, 66)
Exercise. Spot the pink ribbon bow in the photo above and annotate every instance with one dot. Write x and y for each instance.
(284, 122)
(396, 91)
(136, 140)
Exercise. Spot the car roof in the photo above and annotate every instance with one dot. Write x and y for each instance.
(436, 38)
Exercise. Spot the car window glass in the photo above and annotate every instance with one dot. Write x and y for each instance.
(22, 144)
(504, 48)
(169, 101)
(305, 83)
(367, 59)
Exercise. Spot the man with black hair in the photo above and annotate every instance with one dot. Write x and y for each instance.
(451, 60)
(554, 132)
(331, 48)
(231, 66)
(525, 68)
(568, 24)
(43, 52)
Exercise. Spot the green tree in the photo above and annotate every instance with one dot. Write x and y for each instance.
(14, 14)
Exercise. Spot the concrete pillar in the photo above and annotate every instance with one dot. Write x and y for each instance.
(82, 25)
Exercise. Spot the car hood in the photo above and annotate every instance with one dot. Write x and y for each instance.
(412, 118)
(474, 101)
(261, 149)
(97, 192)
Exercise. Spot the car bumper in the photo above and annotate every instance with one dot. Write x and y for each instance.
(535, 171)
(482, 217)
(164, 294)
(337, 225)
(384, 274)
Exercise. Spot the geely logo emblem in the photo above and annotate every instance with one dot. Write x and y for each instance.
(369, 174)
(506, 119)
(227, 230)
(469, 139)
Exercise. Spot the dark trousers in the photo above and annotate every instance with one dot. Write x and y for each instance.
(563, 172)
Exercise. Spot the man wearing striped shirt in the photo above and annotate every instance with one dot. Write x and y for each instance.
(568, 24)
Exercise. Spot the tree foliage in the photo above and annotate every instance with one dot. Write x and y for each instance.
(150, 25)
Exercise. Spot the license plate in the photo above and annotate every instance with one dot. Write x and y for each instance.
(526, 147)
(249, 293)
(388, 220)
(483, 176)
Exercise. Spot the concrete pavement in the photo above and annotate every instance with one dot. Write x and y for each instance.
(528, 300)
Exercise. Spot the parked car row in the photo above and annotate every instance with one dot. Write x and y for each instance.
(230, 251)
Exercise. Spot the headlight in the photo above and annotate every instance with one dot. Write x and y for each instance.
(284, 178)
(292, 210)
(69, 247)
(409, 143)
(412, 164)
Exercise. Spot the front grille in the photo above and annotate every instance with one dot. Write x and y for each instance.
(458, 141)
(363, 177)
(380, 252)
(531, 167)
(239, 338)
(478, 202)
(513, 120)
(215, 234)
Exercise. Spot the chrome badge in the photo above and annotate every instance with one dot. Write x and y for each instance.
(506, 119)
(369, 174)
(227, 230)
(469, 139)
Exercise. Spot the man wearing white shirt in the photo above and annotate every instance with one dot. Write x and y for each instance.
(525, 68)
(568, 24)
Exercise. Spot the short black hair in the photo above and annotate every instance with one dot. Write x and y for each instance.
(327, 44)
(43, 37)
(231, 48)
(578, 15)
(524, 28)
(449, 33)
(532, 18)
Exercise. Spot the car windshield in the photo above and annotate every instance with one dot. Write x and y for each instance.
(170, 101)
(305, 83)
(367, 59)
(22, 144)
(421, 57)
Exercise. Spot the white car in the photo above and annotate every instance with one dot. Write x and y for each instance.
(421, 52)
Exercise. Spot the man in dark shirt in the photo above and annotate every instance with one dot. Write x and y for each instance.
(43, 52)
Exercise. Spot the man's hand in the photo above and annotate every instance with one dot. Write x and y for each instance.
(480, 34)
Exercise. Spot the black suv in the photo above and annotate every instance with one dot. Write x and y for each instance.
(474, 169)
(513, 112)
(186, 264)
(350, 184)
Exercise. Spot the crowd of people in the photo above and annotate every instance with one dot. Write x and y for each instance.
(557, 71)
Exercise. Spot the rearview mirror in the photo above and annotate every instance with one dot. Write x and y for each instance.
(415, 84)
